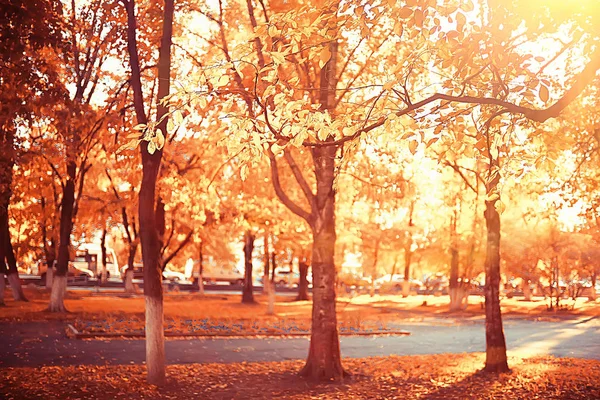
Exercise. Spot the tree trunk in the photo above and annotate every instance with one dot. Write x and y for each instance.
(6, 177)
(201, 268)
(273, 267)
(103, 273)
(2, 286)
(455, 292)
(129, 287)
(271, 299)
(495, 351)
(153, 292)
(303, 281)
(266, 286)
(324, 358)
(59, 281)
(526, 290)
(247, 292)
(407, 261)
(11, 261)
(593, 295)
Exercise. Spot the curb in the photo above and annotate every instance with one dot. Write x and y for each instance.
(133, 335)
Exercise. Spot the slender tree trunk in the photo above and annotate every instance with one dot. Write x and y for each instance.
(129, 287)
(526, 290)
(11, 261)
(59, 280)
(2, 286)
(407, 261)
(303, 281)
(153, 291)
(103, 273)
(273, 267)
(247, 291)
(272, 291)
(6, 178)
(201, 268)
(266, 286)
(593, 295)
(495, 351)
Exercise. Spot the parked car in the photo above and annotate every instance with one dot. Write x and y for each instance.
(213, 272)
(73, 271)
(173, 276)
(393, 284)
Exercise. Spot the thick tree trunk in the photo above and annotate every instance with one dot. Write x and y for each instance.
(59, 281)
(247, 291)
(593, 295)
(495, 351)
(455, 292)
(303, 281)
(324, 358)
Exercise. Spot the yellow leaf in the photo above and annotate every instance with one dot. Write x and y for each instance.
(325, 56)
(151, 147)
(389, 85)
(160, 139)
(222, 81)
(412, 146)
(544, 93)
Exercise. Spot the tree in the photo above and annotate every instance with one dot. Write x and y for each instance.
(151, 153)
(27, 77)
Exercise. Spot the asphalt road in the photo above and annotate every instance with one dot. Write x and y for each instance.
(45, 343)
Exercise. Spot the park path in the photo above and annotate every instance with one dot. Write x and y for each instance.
(45, 343)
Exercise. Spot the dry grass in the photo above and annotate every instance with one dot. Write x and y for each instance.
(180, 309)
(415, 377)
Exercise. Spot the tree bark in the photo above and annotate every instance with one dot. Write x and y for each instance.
(266, 286)
(7, 160)
(11, 261)
(407, 261)
(303, 281)
(59, 281)
(129, 287)
(247, 291)
(103, 272)
(153, 292)
(201, 268)
(495, 350)
(2, 287)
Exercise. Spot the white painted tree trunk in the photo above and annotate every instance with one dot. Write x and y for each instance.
(527, 291)
(129, 287)
(15, 285)
(57, 296)
(271, 295)
(49, 278)
(155, 339)
(2, 286)
(405, 288)
(459, 299)
(201, 285)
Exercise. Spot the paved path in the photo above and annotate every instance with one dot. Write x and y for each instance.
(45, 343)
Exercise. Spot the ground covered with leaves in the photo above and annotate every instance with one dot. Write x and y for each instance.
(407, 377)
